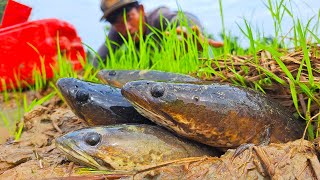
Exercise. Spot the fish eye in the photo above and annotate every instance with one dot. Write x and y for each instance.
(157, 91)
(112, 73)
(92, 138)
(82, 96)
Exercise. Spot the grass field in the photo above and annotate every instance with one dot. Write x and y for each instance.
(288, 60)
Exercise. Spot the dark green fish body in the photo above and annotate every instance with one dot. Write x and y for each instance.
(118, 78)
(218, 115)
(126, 147)
(98, 104)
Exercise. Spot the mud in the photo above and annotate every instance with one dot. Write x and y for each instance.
(34, 156)
(4, 134)
(12, 109)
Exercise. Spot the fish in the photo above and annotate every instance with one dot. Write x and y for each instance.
(275, 161)
(98, 104)
(127, 147)
(219, 115)
(118, 78)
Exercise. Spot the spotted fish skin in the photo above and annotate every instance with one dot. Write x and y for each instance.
(219, 115)
(127, 147)
(118, 78)
(98, 104)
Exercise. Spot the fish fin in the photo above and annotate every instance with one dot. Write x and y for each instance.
(241, 149)
(266, 136)
(265, 140)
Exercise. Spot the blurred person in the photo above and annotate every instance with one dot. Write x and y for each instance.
(114, 11)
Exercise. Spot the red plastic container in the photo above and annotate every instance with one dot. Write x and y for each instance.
(15, 13)
(29, 45)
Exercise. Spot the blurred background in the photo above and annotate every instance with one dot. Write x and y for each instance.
(85, 15)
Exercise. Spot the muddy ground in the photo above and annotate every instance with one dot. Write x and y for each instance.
(4, 134)
(12, 110)
(34, 155)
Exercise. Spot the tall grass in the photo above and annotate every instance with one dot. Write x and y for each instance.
(160, 50)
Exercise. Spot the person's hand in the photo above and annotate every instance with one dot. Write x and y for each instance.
(201, 38)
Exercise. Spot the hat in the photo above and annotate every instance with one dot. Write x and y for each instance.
(109, 6)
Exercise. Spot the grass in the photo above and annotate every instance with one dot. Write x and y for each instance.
(301, 40)
(179, 53)
(3, 4)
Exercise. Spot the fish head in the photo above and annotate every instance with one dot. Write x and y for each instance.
(167, 104)
(95, 103)
(85, 147)
(115, 78)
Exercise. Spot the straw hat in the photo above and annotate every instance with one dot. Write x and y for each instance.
(109, 6)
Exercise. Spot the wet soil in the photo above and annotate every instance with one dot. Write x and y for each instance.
(4, 134)
(34, 155)
(12, 109)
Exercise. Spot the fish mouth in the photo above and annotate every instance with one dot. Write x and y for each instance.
(74, 153)
(146, 109)
(114, 83)
(107, 80)
(102, 77)
(67, 96)
(154, 113)
(69, 99)
(70, 102)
